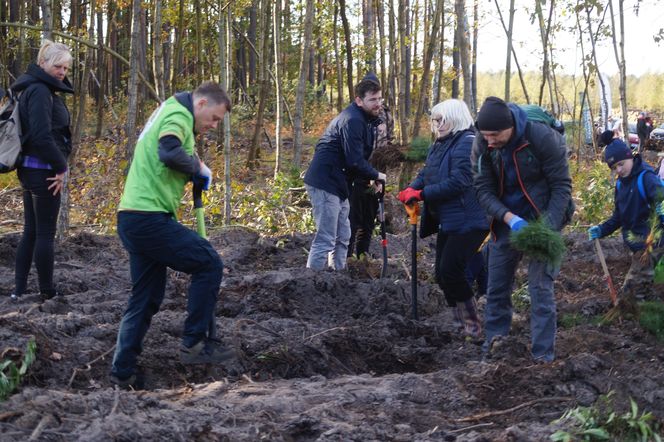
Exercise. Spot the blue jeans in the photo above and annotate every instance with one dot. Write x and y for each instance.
(330, 244)
(503, 262)
(156, 241)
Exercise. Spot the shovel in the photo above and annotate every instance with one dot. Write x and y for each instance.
(413, 210)
(199, 211)
(383, 233)
(602, 260)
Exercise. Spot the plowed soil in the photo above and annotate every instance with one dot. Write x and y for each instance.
(324, 356)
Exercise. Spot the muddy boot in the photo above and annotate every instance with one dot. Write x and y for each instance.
(206, 351)
(472, 325)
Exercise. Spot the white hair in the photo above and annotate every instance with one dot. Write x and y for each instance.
(51, 53)
(453, 111)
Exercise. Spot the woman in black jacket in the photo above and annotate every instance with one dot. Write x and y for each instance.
(445, 184)
(46, 144)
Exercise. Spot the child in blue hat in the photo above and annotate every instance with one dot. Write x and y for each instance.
(638, 192)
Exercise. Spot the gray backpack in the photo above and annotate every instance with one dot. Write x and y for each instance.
(10, 134)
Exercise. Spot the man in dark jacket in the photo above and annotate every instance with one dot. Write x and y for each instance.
(339, 159)
(642, 130)
(521, 175)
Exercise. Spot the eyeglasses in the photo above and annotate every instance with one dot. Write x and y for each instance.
(437, 120)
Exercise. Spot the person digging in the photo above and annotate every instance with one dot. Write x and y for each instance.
(638, 192)
(164, 161)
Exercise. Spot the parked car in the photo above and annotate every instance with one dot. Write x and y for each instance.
(657, 133)
(632, 136)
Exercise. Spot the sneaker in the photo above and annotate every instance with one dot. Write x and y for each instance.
(133, 382)
(14, 297)
(206, 351)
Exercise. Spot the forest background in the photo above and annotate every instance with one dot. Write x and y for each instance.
(290, 66)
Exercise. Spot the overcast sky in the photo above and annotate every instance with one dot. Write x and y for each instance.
(641, 52)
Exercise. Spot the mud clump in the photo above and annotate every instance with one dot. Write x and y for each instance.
(324, 355)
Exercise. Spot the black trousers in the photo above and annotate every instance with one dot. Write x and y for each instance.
(453, 252)
(363, 209)
(41, 210)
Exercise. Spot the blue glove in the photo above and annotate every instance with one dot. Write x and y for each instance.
(594, 232)
(204, 177)
(517, 223)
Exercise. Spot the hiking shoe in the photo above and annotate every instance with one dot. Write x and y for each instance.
(206, 351)
(133, 382)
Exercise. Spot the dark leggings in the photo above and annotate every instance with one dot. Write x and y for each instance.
(363, 210)
(41, 210)
(452, 255)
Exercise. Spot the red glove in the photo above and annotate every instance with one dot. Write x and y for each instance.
(408, 195)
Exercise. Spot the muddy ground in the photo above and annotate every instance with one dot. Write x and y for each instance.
(325, 356)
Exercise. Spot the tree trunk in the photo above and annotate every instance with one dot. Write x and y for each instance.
(301, 83)
(369, 31)
(225, 51)
(404, 38)
(426, 68)
(199, 41)
(440, 64)
(337, 59)
(276, 36)
(508, 63)
(47, 21)
(508, 59)
(349, 48)
(254, 151)
(476, 20)
(251, 35)
(158, 59)
(607, 106)
(101, 69)
(132, 89)
(544, 29)
(464, 50)
(179, 38)
(619, 52)
(380, 18)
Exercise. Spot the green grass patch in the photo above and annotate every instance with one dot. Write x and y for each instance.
(601, 422)
(651, 318)
(12, 374)
(571, 320)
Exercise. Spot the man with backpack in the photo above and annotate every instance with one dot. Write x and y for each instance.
(521, 174)
(638, 190)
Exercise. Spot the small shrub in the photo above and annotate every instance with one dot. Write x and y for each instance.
(593, 192)
(651, 318)
(601, 422)
(11, 375)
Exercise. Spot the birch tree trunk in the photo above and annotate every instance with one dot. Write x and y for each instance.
(404, 38)
(47, 19)
(302, 79)
(464, 50)
(619, 51)
(225, 51)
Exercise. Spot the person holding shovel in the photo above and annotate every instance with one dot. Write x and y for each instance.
(521, 174)
(340, 158)
(445, 184)
(164, 161)
(638, 191)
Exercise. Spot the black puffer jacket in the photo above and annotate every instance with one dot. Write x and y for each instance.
(44, 117)
(529, 176)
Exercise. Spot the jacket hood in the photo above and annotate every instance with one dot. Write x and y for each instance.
(35, 74)
(520, 121)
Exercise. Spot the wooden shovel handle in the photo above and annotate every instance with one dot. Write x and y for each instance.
(609, 280)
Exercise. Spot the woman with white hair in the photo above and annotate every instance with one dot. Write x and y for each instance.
(46, 144)
(445, 184)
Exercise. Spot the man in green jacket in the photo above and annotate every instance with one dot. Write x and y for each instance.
(164, 161)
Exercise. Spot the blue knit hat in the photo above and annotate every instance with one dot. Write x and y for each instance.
(616, 151)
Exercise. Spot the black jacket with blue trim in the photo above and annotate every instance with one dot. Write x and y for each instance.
(341, 153)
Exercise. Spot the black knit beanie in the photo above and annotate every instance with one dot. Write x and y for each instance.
(494, 115)
(616, 151)
(606, 137)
